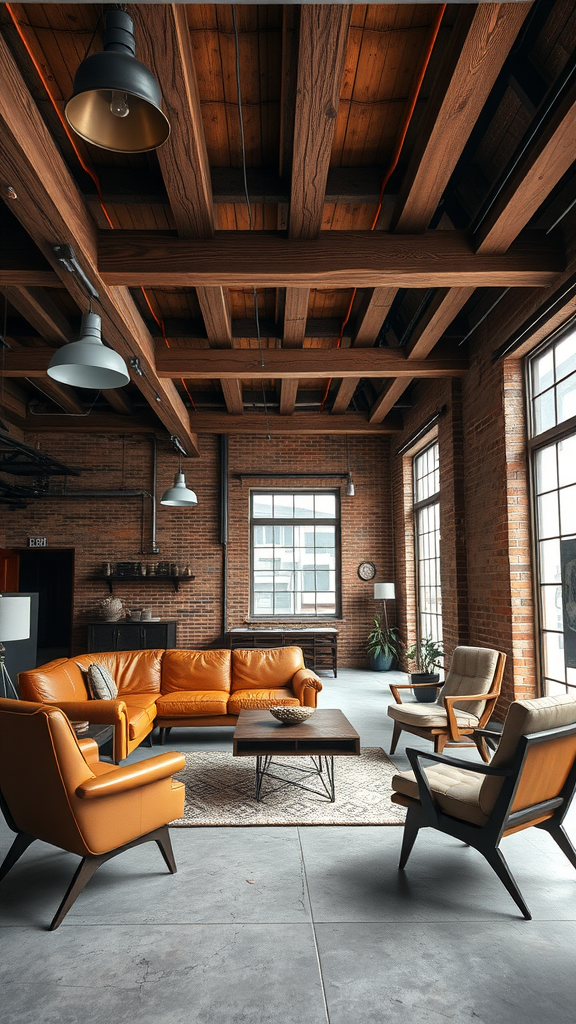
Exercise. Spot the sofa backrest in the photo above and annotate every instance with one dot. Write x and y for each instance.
(132, 671)
(195, 670)
(265, 669)
(57, 680)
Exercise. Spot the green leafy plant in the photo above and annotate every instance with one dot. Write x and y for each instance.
(384, 639)
(427, 654)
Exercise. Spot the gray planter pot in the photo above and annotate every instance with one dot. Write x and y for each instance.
(381, 663)
(430, 693)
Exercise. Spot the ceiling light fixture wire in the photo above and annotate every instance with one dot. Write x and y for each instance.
(412, 100)
(88, 170)
(248, 204)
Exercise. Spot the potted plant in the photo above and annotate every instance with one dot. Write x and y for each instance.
(427, 654)
(384, 644)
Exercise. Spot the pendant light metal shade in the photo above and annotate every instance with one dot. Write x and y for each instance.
(116, 102)
(179, 495)
(88, 363)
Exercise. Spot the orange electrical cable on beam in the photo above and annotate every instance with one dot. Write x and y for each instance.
(412, 100)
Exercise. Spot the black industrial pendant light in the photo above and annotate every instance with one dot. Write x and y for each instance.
(116, 100)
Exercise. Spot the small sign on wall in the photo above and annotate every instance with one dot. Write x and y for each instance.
(37, 542)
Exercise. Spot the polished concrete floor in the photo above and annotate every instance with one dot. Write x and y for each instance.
(294, 925)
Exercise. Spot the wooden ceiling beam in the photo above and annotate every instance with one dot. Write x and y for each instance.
(388, 397)
(480, 42)
(52, 210)
(548, 156)
(62, 395)
(373, 312)
(164, 38)
(337, 259)
(444, 307)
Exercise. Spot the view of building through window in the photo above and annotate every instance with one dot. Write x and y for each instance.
(552, 384)
(427, 539)
(294, 552)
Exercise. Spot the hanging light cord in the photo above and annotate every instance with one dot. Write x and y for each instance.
(248, 204)
(412, 100)
(89, 170)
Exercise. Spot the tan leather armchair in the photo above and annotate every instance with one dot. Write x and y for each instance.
(54, 788)
(463, 705)
(529, 782)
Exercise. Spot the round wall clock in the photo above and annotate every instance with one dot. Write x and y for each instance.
(366, 570)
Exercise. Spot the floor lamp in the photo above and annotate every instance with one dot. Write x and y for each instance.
(384, 592)
(14, 625)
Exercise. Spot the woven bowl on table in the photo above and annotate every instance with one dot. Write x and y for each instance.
(291, 715)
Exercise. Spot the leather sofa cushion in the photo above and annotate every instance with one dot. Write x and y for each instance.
(57, 680)
(134, 671)
(252, 699)
(254, 670)
(193, 702)
(429, 716)
(139, 720)
(196, 670)
(456, 790)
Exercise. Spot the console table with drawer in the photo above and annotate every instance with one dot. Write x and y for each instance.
(319, 646)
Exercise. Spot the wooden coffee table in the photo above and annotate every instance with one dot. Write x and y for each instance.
(326, 734)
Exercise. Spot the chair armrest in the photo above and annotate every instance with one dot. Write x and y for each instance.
(305, 679)
(101, 712)
(89, 749)
(490, 733)
(455, 735)
(132, 776)
(394, 687)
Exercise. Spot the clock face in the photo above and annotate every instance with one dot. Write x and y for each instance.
(366, 570)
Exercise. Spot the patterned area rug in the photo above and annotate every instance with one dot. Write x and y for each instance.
(220, 791)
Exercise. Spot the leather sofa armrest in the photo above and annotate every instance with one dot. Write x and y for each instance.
(101, 712)
(306, 685)
(132, 776)
(89, 749)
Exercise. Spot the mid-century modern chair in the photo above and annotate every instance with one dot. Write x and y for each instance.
(530, 781)
(464, 704)
(54, 788)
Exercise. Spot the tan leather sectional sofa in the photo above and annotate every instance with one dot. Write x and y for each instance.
(173, 688)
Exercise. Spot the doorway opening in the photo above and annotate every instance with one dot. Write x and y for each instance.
(51, 574)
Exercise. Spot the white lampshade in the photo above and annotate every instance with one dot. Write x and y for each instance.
(14, 618)
(179, 495)
(88, 363)
(384, 591)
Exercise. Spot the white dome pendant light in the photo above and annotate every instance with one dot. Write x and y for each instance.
(179, 496)
(88, 363)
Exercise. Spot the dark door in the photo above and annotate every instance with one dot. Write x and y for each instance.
(51, 574)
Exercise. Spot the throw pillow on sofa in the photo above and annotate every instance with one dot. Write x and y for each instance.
(101, 683)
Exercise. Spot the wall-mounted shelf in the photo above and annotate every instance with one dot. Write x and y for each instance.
(174, 580)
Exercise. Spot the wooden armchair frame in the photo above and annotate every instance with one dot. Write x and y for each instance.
(452, 734)
(546, 814)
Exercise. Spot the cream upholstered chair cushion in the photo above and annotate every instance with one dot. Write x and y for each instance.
(466, 794)
(428, 716)
(471, 671)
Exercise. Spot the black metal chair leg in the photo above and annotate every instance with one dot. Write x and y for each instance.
(497, 862)
(411, 829)
(559, 836)
(82, 876)
(19, 846)
(165, 846)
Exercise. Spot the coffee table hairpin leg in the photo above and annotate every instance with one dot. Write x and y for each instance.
(323, 769)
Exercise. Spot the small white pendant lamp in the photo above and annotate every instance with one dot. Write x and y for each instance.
(88, 363)
(179, 496)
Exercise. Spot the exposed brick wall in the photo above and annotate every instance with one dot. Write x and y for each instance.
(109, 529)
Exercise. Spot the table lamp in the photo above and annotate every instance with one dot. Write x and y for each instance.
(384, 592)
(14, 625)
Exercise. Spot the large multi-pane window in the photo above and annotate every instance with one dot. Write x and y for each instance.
(427, 530)
(552, 388)
(295, 553)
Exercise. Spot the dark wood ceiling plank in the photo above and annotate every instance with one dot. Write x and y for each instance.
(548, 157)
(120, 401)
(61, 395)
(288, 393)
(52, 210)
(374, 309)
(344, 395)
(480, 43)
(42, 313)
(344, 259)
(295, 317)
(321, 57)
(388, 398)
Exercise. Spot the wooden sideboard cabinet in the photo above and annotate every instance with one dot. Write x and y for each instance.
(131, 636)
(319, 646)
